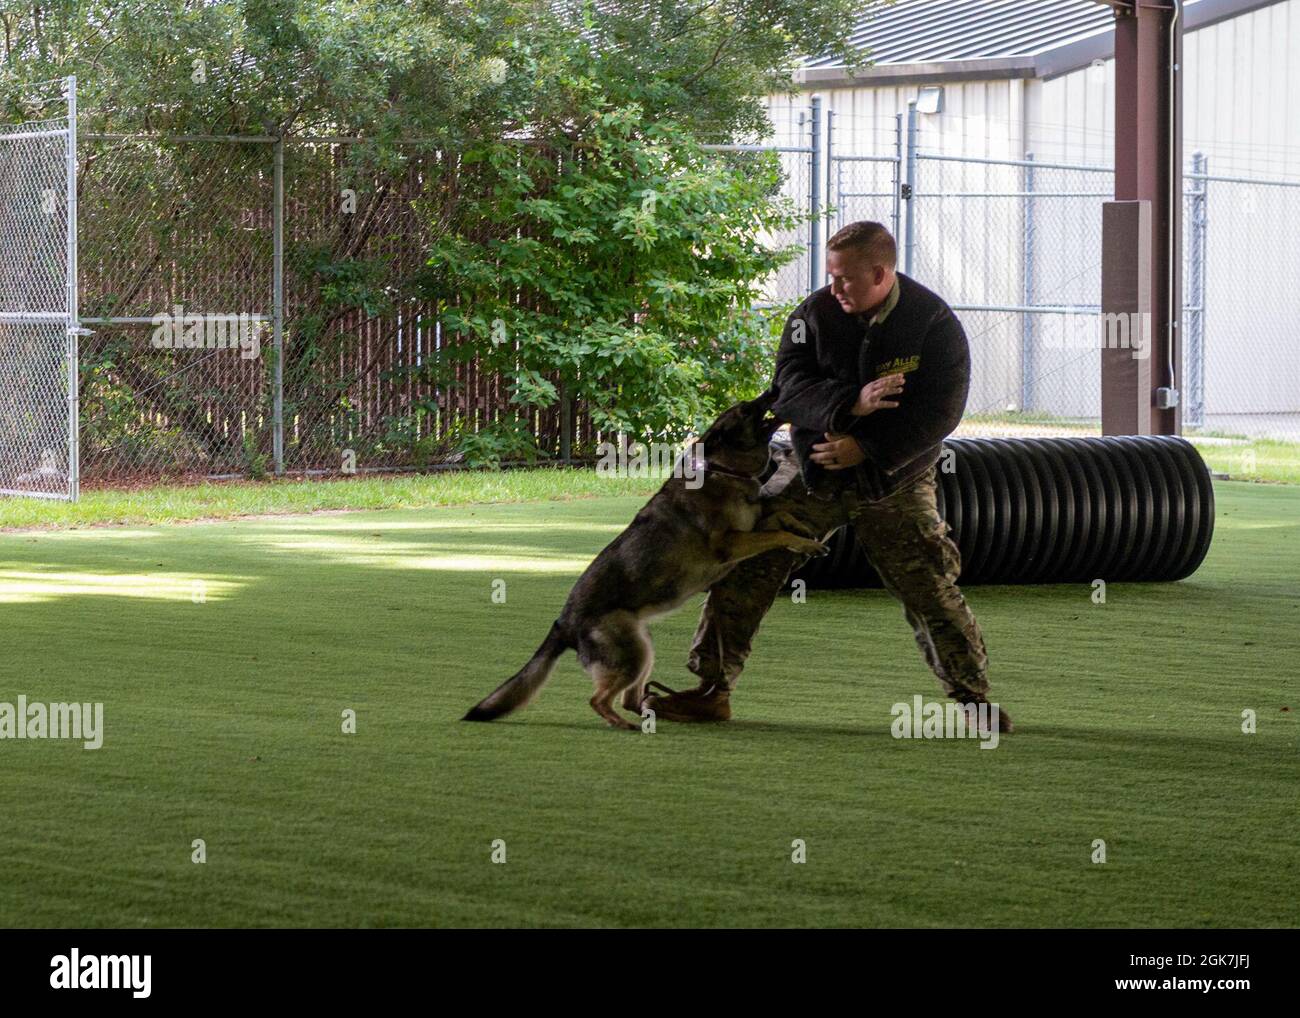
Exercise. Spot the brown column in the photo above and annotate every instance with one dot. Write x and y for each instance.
(1135, 246)
(1126, 290)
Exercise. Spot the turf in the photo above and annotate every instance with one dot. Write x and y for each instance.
(223, 722)
(173, 503)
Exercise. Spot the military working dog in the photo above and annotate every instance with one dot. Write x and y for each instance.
(682, 542)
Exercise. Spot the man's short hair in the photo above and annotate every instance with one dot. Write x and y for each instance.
(871, 240)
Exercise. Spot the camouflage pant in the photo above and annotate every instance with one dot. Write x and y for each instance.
(906, 541)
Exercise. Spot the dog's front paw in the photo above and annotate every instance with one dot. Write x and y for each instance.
(807, 546)
(784, 521)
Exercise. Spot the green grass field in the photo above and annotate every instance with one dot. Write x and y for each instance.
(209, 500)
(223, 722)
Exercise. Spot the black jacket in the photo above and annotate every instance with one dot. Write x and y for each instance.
(818, 380)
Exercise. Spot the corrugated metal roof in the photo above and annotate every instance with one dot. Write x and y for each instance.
(924, 31)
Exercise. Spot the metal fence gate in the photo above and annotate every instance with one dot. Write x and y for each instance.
(39, 327)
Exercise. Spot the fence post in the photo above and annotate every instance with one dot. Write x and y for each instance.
(1195, 355)
(909, 188)
(566, 424)
(1027, 367)
(815, 269)
(73, 299)
(838, 164)
(830, 169)
(277, 308)
(898, 169)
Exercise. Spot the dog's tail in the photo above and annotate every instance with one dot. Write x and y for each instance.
(520, 688)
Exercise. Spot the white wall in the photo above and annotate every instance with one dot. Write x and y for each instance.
(1241, 93)
(1241, 107)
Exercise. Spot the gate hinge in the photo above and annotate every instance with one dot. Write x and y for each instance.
(905, 191)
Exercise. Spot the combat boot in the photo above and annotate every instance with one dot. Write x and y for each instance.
(708, 701)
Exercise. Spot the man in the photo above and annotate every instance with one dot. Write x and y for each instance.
(872, 373)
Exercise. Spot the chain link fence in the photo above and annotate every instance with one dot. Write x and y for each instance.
(1242, 286)
(1015, 248)
(255, 302)
(179, 244)
(799, 143)
(1014, 245)
(176, 255)
(38, 451)
(253, 305)
(184, 254)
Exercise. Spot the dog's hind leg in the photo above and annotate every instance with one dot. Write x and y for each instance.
(609, 682)
(617, 655)
(635, 693)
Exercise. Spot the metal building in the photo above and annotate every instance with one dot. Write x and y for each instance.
(995, 121)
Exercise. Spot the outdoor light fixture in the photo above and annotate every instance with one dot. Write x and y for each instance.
(930, 99)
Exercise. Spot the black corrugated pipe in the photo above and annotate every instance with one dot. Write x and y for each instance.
(1059, 510)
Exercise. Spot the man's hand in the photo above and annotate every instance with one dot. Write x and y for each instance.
(875, 395)
(838, 452)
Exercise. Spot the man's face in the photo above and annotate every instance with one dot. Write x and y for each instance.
(857, 284)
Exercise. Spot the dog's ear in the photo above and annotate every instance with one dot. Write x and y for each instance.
(760, 404)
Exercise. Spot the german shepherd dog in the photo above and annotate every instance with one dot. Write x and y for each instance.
(681, 543)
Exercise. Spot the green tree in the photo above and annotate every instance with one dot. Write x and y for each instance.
(622, 90)
(621, 271)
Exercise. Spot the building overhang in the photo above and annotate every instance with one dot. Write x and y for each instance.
(1046, 65)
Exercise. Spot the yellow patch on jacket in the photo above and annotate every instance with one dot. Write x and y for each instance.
(899, 366)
